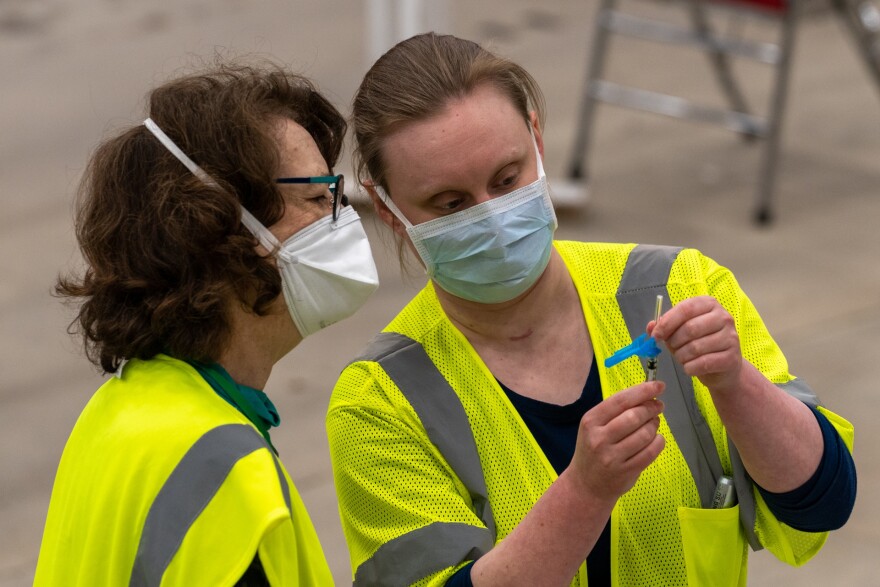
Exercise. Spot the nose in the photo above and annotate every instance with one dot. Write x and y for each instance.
(482, 197)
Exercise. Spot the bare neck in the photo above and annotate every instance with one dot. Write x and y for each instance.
(257, 343)
(538, 344)
(516, 320)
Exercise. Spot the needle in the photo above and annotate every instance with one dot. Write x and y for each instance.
(652, 361)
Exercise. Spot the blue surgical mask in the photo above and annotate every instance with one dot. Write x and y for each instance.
(491, 252)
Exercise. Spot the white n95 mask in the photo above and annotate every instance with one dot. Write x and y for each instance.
(327, 268)
(491, 252)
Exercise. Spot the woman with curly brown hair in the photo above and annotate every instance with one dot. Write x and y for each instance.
(215, 238)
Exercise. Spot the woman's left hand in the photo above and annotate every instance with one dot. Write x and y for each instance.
(701, 335)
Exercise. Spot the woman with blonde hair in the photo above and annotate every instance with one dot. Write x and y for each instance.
(487, 437)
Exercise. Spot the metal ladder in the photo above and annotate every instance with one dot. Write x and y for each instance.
(861, 17)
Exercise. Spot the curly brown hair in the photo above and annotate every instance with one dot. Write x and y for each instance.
(165, 253)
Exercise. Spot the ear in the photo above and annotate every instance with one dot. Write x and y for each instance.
(386, 215)
(536, 129)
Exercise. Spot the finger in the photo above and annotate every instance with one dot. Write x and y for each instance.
(637, 438)
(632, 420)
(712, 364)
(718, 342)
(704, 325)
(647, 455)
(621, 401)
(681, 313)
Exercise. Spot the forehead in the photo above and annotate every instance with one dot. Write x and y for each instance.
(477, 129)
(299, 155)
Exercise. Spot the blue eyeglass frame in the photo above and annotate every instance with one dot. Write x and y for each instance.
(336, 187)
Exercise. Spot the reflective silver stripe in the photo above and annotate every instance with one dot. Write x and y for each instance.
(424, 551)
(438, 408)
(645, 276)
(743, 484)
(187, 491)
(800, 390)
(437, 546)
(282, 480)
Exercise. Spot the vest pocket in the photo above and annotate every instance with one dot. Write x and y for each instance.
(714, 546)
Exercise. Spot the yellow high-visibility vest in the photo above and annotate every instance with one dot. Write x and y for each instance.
(434, 466)
(164, 483)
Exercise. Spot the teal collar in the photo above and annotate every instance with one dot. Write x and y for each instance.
(252, 403)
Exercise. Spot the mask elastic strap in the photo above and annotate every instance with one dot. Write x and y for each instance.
(386, 199)
(262, 234)
(180, 155)
(538, 158)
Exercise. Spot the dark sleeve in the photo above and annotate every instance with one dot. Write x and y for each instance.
(826, 500)
(462, 577)
(254, 576)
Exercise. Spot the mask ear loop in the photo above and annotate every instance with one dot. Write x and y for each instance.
(541, 175)
(386, 199)
(260, 232)
(538, 157)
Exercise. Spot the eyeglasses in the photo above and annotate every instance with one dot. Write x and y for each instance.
(337, 188)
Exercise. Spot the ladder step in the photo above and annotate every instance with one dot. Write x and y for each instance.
(662, 32)
(677, 107)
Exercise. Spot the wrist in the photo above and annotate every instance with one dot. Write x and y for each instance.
(732, 382)
(584, 496)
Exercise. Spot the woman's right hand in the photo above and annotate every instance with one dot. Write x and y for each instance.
(617, 439)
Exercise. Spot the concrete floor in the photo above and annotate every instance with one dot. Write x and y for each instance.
(72, 72)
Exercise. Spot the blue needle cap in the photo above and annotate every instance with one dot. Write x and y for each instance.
(640, 347)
